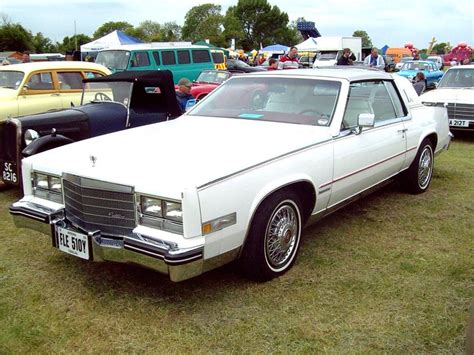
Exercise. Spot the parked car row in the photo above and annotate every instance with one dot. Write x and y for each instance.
(235, 177)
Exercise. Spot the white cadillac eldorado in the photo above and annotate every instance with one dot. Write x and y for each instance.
(237, 176)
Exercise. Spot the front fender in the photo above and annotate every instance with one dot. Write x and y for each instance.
(45, 143)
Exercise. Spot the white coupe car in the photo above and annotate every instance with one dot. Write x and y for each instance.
(456, 92)
(237, 176)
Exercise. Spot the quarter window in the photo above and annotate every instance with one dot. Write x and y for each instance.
(168, 57)
(184, 57)
(201, 56)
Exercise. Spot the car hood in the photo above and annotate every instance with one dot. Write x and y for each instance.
(162, 159)
(8, 93)
(458, 95)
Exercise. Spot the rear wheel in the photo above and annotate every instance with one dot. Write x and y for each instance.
(418, 176)
(274, 237)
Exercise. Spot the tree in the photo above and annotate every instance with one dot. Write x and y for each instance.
(366, 41)
(69, 43)
(440, 48)
(261, 23)
(203, 22)
(152, 31)
(111, 26)
(170, 32)
(14, 37)
(43, 44)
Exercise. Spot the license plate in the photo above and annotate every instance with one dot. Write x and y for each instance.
(9, 172)
(73, 243)
(459, 123)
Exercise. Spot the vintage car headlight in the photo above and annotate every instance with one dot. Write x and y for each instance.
(159, 213)
(47, 186)
(30, 136)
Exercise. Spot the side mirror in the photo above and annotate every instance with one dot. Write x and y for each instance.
(365, 120)
(25, 88)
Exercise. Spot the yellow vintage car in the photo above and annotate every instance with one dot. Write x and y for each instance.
(43, 86)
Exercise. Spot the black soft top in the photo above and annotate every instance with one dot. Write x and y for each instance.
(146, 77)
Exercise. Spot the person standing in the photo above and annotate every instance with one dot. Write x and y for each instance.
(183, 94)
(419, 83)
(26, 57)
(272, 64)
(289, 60)
(347, 57)
(374, 60)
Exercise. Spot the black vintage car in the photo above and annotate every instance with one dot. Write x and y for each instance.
(109, 104)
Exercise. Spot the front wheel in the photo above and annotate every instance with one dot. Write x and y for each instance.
(418, 176)
(274, 237)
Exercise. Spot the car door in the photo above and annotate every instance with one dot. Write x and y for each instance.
(364, 159)
(39, 94)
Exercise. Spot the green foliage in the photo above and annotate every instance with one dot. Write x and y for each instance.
(171, 32)
(262, 24)
(366, 41)
(14, 37)
(111, 26)
(440, 48)
(203, 22)
(151, 31)
(69, 43)
(43, 44)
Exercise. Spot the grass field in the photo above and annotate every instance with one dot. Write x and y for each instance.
(392, 273)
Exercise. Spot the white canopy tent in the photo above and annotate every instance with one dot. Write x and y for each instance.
(310, 45)
(113, 39)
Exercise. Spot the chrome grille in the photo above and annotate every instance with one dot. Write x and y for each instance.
(460, 111)
(99, 206)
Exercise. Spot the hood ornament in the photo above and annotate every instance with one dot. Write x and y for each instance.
(93, 160)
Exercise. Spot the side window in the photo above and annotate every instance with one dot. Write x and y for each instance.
(168, 57)
(184, 57)
(358, 102)
(41, 81)
(90, 75)
(201, 56)
(70, 80)
(156, 56)
(140, 59)
(382, 103)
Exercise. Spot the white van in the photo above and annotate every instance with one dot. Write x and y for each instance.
(436, 59)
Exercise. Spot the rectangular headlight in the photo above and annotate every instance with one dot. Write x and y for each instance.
(47, 186)
(173, 211)
(161, 214)
(151, 206)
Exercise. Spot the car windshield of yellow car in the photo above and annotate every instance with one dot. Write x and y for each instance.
(10, 79)
(278, 99)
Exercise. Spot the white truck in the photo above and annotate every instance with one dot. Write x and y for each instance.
(330, 49)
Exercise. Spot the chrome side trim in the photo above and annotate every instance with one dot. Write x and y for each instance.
(252, 167)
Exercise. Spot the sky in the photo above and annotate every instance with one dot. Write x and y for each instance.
(387, 22)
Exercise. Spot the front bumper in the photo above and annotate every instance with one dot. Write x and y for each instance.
(179, 264)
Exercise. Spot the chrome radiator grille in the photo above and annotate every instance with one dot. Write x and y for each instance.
(99, 206)
(461, 111)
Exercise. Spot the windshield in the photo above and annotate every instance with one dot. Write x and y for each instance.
(289, 100)
(115, 91)
(326, 56)
(457, 78)
(217, 77)
(114, 60)
(11, 79)
(416, 66)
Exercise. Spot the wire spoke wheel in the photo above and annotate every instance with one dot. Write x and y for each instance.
(282, 235)
(425, 167)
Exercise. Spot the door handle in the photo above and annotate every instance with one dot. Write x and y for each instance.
(54, 94)
(402, 130)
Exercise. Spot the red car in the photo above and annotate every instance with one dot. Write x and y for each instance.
(207, 81)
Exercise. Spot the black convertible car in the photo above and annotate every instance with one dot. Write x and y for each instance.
(109, 104)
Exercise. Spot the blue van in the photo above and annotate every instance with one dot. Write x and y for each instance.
(183, 59)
